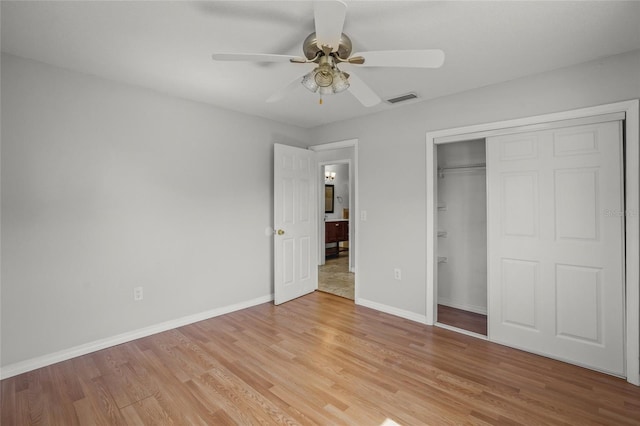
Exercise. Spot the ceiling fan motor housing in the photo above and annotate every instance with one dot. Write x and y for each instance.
(311, 49)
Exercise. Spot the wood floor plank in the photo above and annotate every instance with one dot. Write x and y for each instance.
(318, 359)
(13, 395)
(99, 403)
(148, 411)
(174, 395)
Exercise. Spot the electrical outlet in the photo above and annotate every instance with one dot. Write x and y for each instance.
(363, 215)
(397, 274)
(137, 293)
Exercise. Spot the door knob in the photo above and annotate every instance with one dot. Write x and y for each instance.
(280, 231)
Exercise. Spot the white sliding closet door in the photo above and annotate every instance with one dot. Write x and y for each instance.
(555, 235)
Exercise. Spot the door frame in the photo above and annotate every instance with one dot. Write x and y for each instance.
(354, 200)
(631, 109)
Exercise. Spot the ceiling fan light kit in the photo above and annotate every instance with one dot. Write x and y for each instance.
(327, 47)
(340, 81)
(326, 78)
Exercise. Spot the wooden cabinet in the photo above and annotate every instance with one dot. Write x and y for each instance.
(335, 233)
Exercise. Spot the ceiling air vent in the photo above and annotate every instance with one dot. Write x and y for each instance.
(402, 98)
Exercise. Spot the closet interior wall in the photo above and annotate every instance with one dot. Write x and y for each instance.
(462, 226)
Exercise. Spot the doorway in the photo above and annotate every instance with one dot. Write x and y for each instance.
(337, 227)
(335, 275)
(512, 192)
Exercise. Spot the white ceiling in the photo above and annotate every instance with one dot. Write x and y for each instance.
(167, 46)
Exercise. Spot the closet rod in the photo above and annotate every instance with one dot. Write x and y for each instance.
(441, 170)
(468, 166)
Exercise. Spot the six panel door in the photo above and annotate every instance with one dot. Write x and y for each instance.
(556, 243)
(295, 239)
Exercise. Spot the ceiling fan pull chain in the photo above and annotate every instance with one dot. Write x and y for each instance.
(320, 100)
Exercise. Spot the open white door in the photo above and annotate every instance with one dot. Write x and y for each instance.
(295, 213)
(556, 235)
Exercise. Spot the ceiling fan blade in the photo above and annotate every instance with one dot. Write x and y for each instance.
(329, 18)
(282, 93)
(255, 57)
(432, 58)
(362, 91)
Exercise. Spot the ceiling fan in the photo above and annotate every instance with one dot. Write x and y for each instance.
(328, 47)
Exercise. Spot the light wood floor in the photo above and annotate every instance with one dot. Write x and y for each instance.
(319, 359)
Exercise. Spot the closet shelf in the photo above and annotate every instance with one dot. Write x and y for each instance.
(442, 170)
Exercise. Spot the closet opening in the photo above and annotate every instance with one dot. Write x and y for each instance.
(461, 245)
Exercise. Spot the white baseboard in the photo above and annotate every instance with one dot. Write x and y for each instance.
(63, 355)
(471, 308)
(392, 310)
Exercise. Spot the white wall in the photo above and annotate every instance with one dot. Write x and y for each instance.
(393, 237)
(462, 279)
(106, 187)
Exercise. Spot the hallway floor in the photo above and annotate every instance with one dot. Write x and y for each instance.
(334, 277)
